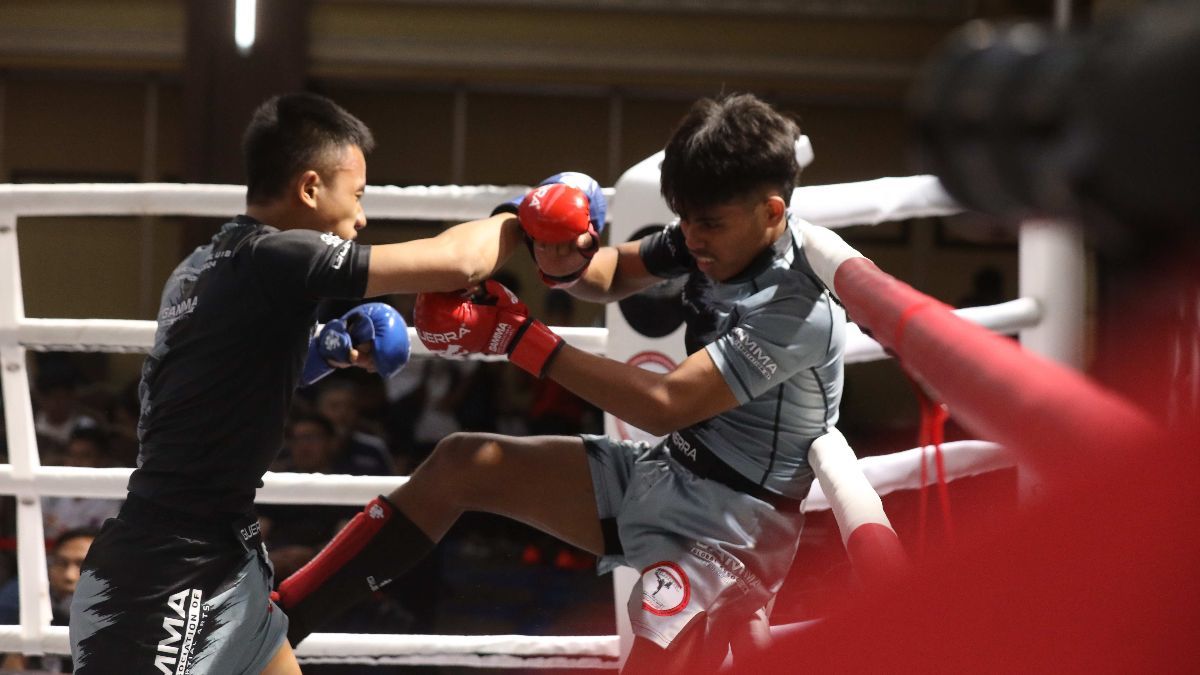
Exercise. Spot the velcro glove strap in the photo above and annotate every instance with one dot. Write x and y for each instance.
(533, 347)
(566, 280)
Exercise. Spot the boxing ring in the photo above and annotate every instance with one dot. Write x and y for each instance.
(905, 321)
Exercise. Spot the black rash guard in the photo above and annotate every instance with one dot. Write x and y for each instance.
(233, 330)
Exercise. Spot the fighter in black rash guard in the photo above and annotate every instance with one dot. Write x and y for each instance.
(212, 401)
(179, 582)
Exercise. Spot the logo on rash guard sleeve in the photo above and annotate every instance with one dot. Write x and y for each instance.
(753, 353)
(340, 258)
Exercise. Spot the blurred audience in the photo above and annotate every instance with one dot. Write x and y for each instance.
(58, 409)
(987, 288)
(63, 562)
(359, 451)
(295, 532)
(555, 410)
(442, 388)
(86, 447)
(123, 411)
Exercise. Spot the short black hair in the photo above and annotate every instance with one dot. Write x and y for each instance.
(726, 147)
(311, 418)
(292, 133)
(75, 533)
(94, 434)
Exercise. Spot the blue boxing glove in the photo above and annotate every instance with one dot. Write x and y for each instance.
(558, 211)
(373, 323)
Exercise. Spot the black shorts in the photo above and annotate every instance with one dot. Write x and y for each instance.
(162, 592)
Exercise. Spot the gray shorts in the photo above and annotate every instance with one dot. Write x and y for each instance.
(150, 600)
(701, 547)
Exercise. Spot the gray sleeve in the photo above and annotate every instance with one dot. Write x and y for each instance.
(777, 337)
(665, 254)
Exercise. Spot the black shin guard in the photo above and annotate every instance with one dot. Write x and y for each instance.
(377, 546)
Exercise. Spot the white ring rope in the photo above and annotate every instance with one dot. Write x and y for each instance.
(482, 651)
(872, 202)
(122, 335)
(126, 335)
(422, 202)
(886, 473)
(840, 205)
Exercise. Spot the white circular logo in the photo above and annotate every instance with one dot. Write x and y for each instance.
(665, 589)
(655, 362)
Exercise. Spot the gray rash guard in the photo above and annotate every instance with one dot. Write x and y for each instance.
(777, 337)
(233, 329)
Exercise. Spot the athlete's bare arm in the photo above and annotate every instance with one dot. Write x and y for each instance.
(460, 257)
(616, 272)
(658, 403)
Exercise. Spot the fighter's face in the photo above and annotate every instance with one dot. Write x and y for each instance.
(338, 206)
(725, 238)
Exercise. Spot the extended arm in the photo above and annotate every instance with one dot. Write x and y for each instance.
(563, 218)
(616, 272)
(496, 322)
(655, 402)
(462, 256)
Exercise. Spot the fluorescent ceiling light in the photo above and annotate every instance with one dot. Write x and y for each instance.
(243, 26)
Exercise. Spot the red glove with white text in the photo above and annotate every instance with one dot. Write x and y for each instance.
(489, 321)
(560, 212)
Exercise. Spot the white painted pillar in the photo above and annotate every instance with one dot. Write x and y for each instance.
(1053, 263)
(34, 586)
(1053, 272)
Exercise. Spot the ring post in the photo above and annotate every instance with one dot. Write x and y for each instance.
(34, 585)
(1053, 272)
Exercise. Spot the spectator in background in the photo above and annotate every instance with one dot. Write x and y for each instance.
(358, 452)
(423, 405)
(987, 288)
(295, 532)
(444, 387)
(123, 412)
(512, 390)
(86, 447)
(64, 563)
(59, 410)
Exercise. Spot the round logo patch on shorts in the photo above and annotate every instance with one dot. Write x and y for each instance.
(665, 589)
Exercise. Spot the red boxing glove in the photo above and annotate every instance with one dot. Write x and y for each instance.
(557, 213)
(490, 322)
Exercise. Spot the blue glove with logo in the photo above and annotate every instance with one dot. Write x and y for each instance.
(373, 323)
